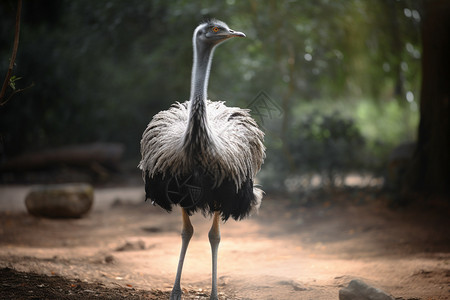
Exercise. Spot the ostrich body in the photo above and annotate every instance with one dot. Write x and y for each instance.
(203, 155)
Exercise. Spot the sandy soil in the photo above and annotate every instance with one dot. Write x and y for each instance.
(127, 249)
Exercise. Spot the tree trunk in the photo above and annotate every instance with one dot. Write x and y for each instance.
(429, 171)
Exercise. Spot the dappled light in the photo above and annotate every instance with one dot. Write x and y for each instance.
(287, 250)
(352, 100)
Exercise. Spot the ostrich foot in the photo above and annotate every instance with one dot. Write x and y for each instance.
(214, 297)
(176, 294)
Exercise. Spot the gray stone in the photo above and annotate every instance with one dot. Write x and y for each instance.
(60, 200)
(358, 290)
(132, 245)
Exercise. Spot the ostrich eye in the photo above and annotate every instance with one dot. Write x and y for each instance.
(215, 29)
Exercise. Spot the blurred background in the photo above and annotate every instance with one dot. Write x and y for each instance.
(334, 84)
(353, 97)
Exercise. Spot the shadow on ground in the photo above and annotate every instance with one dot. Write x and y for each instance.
(127, 249)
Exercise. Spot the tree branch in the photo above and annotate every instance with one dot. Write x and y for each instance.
(13, 56)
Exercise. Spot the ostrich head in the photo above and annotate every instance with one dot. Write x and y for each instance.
(206, 37)
(212, 33)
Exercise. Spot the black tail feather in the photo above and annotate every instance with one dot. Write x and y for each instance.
(194, 192)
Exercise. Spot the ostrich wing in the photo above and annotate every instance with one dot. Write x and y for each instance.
(237, 151)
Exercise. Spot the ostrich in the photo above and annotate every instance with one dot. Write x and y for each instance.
(203, 155)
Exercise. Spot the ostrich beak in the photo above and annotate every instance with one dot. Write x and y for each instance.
(236, 33)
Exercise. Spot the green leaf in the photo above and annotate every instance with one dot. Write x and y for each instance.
(12, 82)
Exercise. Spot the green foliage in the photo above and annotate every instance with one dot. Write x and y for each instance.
(326, 143)
(333, 139)
(102, 69)
(12, 82)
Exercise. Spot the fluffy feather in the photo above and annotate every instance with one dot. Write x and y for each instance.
(232, 158)
(202, 154)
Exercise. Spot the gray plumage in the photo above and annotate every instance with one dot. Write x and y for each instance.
(223, 141)
(232, 146)
(202, 154)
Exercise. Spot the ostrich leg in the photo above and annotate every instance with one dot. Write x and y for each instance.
(186, 234)
(214, 240)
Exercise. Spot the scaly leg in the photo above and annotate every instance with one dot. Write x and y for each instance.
(186, 234)
(214, 240)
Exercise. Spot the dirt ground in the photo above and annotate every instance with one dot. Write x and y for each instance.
(127, 249)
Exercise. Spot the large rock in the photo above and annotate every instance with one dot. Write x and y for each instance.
(358, 290)
(60, 200)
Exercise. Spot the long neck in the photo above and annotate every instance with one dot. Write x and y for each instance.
(197, 133)
(200, 71)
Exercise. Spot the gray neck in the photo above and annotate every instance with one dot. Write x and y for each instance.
(200, 70)
(197, 133)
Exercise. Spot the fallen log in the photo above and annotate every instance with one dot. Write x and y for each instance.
(106, 155)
